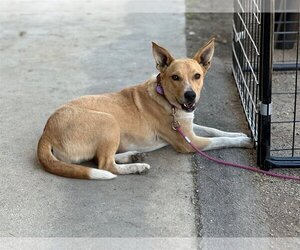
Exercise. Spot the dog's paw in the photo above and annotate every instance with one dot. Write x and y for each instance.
(247, 142)
(139, 157)
(133, 168)
(143, 168)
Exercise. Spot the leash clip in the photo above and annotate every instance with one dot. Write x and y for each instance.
(175, 124)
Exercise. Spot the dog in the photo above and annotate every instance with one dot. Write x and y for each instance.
(116, 129)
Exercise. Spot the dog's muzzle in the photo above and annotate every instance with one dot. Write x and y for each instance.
(190, 104)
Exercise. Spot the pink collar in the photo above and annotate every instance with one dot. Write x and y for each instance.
(159, 88)
(160, 91)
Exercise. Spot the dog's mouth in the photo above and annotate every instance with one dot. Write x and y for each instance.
(189, 106)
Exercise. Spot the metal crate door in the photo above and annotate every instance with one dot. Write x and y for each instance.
(253, 68)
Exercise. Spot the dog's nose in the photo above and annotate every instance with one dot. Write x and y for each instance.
(190, 95)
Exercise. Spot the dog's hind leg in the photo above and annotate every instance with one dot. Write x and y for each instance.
(107, 146)
(134, 168)
(129, 157)
(106, 161)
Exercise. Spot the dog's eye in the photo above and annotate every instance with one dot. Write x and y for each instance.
(175, 77)
(197, 76)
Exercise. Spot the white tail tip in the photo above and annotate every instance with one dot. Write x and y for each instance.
(98, 174)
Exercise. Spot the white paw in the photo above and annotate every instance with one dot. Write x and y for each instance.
(143, 168)
(246, 142)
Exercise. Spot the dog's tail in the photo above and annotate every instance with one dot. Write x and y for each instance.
(53, 165)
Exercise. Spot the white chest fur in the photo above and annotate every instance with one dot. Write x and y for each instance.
(182, 115)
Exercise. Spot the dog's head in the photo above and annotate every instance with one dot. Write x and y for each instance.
(182, 79)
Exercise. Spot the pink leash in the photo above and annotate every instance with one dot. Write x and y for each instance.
(253, 169)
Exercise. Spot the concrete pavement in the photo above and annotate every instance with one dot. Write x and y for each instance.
(52, 52)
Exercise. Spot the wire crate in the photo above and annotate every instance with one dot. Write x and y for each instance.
(265, 49)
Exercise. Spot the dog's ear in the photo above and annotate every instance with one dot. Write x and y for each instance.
(161, 56)
(205, 54)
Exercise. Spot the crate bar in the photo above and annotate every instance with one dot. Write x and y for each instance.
(286, 66)
(296, 92)
(265, 79)
(287, 162)
(284, 149)
(277, 67)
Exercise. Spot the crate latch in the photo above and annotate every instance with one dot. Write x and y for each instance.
(265, 109)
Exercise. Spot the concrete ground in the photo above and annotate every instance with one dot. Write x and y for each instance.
(54, 51)
(51, 57)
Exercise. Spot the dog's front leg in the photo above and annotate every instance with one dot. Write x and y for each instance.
(220, 142)
(204, 143)
(228, 142)
(212, 132)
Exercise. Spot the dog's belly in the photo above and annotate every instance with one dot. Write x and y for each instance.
(142, 147)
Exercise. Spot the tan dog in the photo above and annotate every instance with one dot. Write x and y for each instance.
(116, 128)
